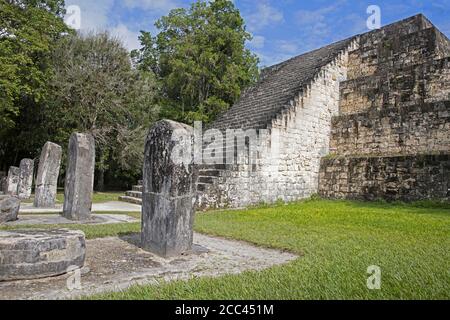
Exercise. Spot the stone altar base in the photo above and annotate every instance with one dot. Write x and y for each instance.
(32, 254)
(117, 263)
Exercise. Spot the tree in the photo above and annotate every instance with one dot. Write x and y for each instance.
(200, 59)
(28, 30)
(95, 89)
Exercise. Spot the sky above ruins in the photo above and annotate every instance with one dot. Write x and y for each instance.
(280, 28)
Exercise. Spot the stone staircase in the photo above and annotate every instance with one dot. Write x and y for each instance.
(135, 195)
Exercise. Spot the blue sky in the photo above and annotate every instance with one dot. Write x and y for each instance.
(281, 28)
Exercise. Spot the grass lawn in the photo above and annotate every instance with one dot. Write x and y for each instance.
(98, 197)
(337, 241)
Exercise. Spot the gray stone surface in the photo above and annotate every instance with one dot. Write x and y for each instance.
(32, 254)
(168, 193)
(47, 177)
(79, 177)
(25, 178)
(9, 208)
(46, 219)
(12, 181)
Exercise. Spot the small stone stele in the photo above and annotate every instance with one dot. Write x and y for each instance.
(25, 178)
(168, 191)
(47, 177)
(9, 208)
(12, 181)
(79, 183)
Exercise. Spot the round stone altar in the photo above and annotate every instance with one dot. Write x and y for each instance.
(32, 253)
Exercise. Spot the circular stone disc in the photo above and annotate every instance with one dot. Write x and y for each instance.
(32, 253)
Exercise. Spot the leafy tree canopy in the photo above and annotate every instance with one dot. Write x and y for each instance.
(199, 56)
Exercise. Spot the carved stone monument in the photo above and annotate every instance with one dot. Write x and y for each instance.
(79, 183)
(47, 177)
(25, 178)
(168, 190)
(12, 181)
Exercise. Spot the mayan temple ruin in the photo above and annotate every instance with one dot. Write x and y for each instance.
(364, 118)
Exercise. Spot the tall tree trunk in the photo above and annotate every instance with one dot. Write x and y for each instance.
(101, 180)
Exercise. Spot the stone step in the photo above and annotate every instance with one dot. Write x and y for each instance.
(207, 180)
(138, 188)
(210, 172)
(131, 200)
(202, 186)
(134, 194)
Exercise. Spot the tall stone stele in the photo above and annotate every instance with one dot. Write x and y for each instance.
(12, 181)
(168, 190)
(47, 176)
(25, 178)
(79, 183)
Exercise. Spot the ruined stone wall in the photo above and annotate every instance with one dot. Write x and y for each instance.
(420, 83)
(391, 139)
(415, 129)
(406, 178)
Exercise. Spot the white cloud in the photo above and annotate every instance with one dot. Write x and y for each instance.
(128, 37)
(264, 16)
(153, 5)
(257, 42)
(287, 46)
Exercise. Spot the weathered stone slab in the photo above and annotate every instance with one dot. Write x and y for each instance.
(9, 208)
(32, 254)
(47, 177)
(168, 190)
(79, 177)
(25, 178)
(12, 181)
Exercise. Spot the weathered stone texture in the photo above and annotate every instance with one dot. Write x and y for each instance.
(168, 192)
(406, 178)
(415, 129)
(32, 254)
(422, 83)
(79, 177)
(47, 176)
(12, 181)
(9, 208)
(25, 178)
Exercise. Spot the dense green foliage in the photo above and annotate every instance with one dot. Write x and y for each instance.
(199, 56)
(28, 32)
(54, 81)
(336, 242)
(95, 89)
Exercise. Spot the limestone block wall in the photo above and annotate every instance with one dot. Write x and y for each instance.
(415, 129)
(421, 83)
(405, 178)
(289, 156)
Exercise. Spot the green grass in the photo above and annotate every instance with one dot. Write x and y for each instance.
(91, 231)
(98, 197)
(336, 242)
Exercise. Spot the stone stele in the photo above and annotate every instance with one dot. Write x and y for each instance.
(12, 181)
(32, 253)
(79, 177)
(9, 208)
(25, 178)
(168, 190)
(47, 177)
